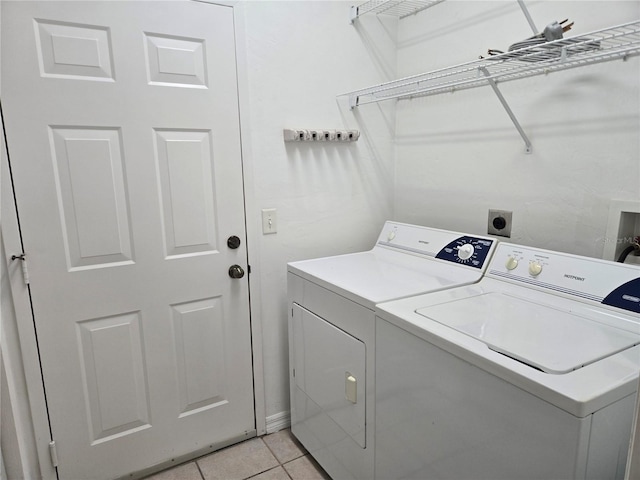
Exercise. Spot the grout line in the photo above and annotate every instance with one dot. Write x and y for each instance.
(268, 469)
(273, 468)
(199, 469)
(287, 471)
(271, 451)
(280, 464)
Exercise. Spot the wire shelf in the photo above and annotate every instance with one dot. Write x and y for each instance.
(397, 8)
(619, 42)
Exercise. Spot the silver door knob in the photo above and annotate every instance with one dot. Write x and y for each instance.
(236, 271)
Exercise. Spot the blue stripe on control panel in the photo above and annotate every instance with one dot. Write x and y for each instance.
(626, 296)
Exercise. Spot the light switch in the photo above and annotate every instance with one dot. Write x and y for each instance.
(269, 221)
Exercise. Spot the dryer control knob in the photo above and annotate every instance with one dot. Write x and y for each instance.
(511, 263)
(535, 268)
(391, 236)
(465, 251)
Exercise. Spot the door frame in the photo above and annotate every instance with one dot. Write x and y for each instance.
(25, 361)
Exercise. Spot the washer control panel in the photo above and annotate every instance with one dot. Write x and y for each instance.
(609, 283)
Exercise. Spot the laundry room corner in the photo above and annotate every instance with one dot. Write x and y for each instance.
(328, 197)
(461, 155)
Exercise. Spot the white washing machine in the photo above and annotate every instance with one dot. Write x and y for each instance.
(332, 332)
(530, 373)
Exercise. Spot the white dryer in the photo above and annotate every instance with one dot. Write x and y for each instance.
(332, 332)
(530, 373)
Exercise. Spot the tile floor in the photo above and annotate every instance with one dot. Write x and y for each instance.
(278, 456)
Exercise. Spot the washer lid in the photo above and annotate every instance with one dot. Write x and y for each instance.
(542, 337)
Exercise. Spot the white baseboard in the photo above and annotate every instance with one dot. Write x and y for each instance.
(278, 422)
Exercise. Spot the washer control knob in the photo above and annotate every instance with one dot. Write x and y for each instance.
(465, 251)
(391, 236)
(511, 263)
(535, 268)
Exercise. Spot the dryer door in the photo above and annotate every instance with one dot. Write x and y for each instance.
(329, 373)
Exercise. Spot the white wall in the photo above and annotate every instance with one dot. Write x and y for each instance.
(330, 198)
(445, 160)
(459, 155)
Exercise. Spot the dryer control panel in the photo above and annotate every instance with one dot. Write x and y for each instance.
(468, 250)
(601, 281)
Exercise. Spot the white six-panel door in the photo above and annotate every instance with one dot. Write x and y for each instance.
(123, 135)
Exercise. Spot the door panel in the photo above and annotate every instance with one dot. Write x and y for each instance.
(123, 132)
(198, 333)
(187, 189)
(89, 179)
(66, 50)
(117, 400)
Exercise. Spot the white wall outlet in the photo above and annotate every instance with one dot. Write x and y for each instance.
(499, 223)
(269, 221)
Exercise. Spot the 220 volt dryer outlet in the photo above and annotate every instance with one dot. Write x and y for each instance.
(499, 223)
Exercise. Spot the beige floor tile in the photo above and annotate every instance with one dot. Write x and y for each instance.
(284, 446)
(305, 468)
(188, 471)
(277, 473)
(238, 462)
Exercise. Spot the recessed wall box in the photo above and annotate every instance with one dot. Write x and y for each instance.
(622, 228)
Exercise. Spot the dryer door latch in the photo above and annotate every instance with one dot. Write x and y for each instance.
(350, 388)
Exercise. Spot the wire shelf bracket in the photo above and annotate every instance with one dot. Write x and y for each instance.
(513, 118)
(619, 42)
(398, 8)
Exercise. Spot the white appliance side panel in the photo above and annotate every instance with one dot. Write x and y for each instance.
(610, 435)
(439, 417)
(329, 368)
